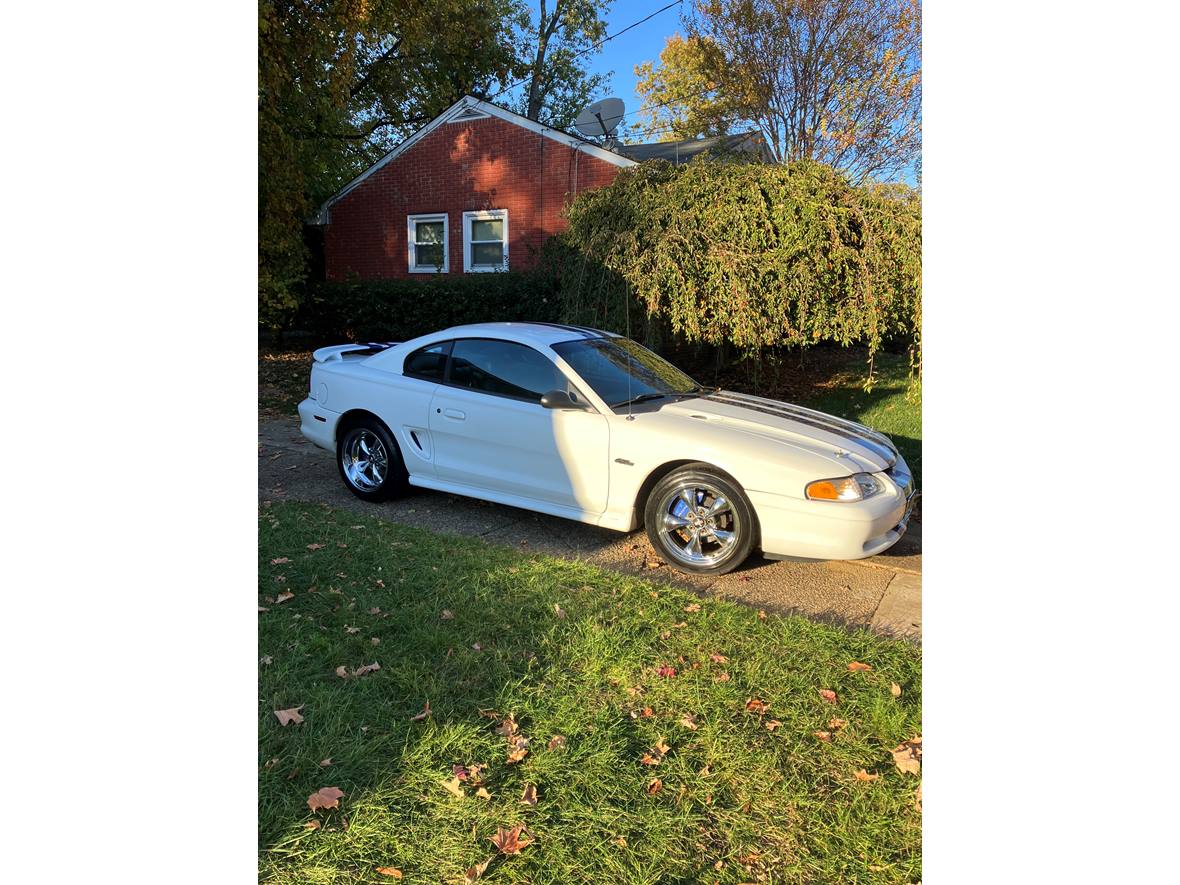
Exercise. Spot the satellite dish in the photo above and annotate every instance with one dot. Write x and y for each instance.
(601, 119)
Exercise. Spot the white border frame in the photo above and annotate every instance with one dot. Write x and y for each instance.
(483, 215)
(412, 243)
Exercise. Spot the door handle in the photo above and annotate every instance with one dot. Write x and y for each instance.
(456, 414)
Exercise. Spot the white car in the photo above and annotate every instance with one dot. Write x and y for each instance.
(589, 425)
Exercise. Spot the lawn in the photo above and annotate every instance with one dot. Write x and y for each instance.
(689, 748)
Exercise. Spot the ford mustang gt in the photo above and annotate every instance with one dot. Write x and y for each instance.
(589, 425)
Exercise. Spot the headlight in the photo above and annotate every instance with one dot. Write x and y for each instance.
(847, 488)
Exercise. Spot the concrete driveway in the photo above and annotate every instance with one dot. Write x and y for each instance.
(883, 592)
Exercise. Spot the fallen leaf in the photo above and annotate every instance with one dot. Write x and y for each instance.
(646, 713)
(291, 715)
(315, 546)
(473, 873)
(693, 607)
(342, 672)
(771, 724)
(447, 615)
(271, 763)
(530, 795)
(312, 825)
(621, 841)
(367, 668)
(761, 613)
(351, 630)
(507, 728)
(374, 610)
(392, 872)
(283, 597)
(518, 754)
(756, 705)
(325, 797)
(718, 659)
(452, 787)
(557, 742)
(266, 660)
(459, 771)
(558, 610)
(662, 748)
(665, 634)
(665, 671)
(863, 775)
(654, 787)
(680, 625)
(858, 667)
(824, 736)
(895, 689)
(374, 641)
(689, 721)
(510, 841)
(828, 695)
(263, 608)
(722, 677)
(649, 759)
(483, 793)
(324, 763)
(477, 647)
(425, 712)
(907, 756)
(279, 561)
(836, 724)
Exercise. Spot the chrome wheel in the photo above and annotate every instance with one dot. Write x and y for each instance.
(365, 461)
(699, 526)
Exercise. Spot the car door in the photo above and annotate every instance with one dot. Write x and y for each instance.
(405, 406)
(490, 431)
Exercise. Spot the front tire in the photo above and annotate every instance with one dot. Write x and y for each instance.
(370, 461)
(700, 521)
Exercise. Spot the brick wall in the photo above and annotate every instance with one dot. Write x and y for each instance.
(459, 167)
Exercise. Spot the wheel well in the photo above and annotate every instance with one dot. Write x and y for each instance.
(355, 416)
(664, 469)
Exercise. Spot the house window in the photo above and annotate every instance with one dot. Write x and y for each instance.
(485, 240)
(427, 238)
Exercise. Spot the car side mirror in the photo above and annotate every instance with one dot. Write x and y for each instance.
(560, 399)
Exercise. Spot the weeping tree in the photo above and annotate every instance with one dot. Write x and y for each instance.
(749, 255)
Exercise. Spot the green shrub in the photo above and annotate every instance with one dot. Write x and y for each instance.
(750, 255)
(397, 310)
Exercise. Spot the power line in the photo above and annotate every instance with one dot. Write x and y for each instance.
(592, 47)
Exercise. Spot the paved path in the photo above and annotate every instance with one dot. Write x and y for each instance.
(884, 592)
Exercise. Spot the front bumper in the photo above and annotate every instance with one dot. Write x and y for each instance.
(804, 529)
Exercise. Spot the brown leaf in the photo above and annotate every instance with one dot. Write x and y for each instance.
(558, 610)
(510, 841)
(279, 561)
(718, 659)
(483, 793)
(507, 728)
(688, 720)
(312, 825)
(837, 724)
(771, 724)
(722, 677)
(392, 872)
(649, 759)
(680, 625)
(517, 755)
(665, 634)
(291, 715)
(324, 763)
(863, 775)
(654, 787)
(662, 748)
(452, 787)
(647, 713)
(828, 695)
(665, 671)
(530, 795)
(621, 841)
(857, 667)
(425, 712)
(315, 546)
(342, 672)
(895, 689)
(367, 668)
(473, 873)
(351, 630)
(557, 742)
(693, 607)
(756, 705)
(824, 736)
(283, 597)
(447, 615)
(761, 613)
(325, 797)
(907, 756)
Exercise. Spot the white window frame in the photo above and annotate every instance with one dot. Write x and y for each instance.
(483, 215)
(412, 243)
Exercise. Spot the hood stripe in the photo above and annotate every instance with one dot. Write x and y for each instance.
(844, 430)
(842, 424)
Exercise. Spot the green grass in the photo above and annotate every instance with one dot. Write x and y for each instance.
(739, 802)
(891, 407)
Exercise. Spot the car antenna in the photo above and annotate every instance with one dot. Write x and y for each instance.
(627, 311)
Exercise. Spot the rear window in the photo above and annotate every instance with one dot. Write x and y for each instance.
(429, 362)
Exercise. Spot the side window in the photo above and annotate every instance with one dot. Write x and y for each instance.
(504, 368)
(428, 363)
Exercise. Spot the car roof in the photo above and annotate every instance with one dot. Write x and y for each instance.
(533, 333)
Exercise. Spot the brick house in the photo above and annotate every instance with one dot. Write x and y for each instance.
(477, 189)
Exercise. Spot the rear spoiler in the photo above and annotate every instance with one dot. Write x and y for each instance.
(337, 351)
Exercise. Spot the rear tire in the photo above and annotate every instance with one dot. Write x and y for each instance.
(370, 461)
(700, 521)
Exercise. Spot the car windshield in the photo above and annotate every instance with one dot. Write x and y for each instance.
(605, 363)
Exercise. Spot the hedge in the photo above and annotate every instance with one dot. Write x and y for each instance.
(397, 310)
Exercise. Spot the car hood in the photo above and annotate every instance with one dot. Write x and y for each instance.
(851, 445)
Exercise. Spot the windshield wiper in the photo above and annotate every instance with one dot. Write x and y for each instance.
(648, 397)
